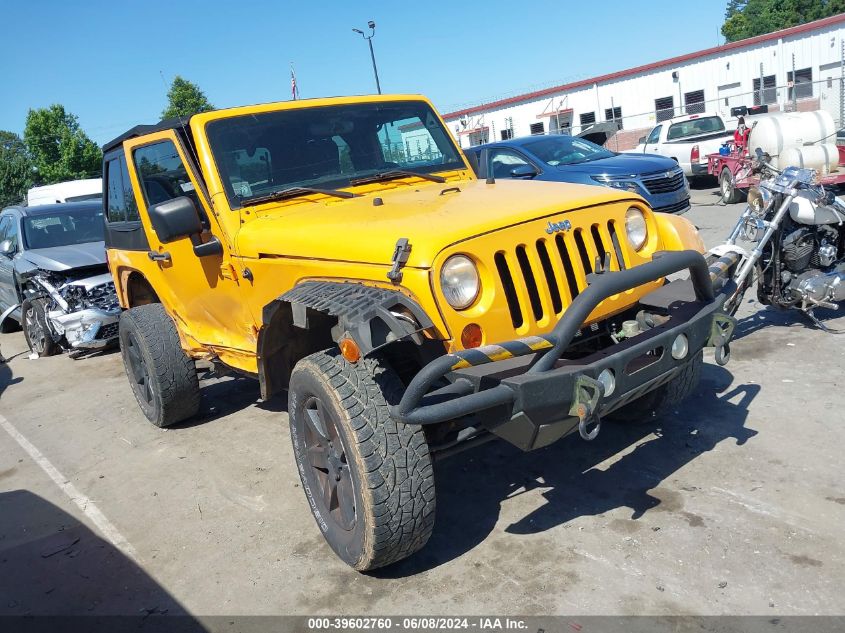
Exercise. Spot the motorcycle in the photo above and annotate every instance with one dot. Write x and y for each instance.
(798, 232)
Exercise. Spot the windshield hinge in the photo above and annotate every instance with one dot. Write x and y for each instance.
(400, 257)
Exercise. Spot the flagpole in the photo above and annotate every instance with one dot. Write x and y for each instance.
(294, 88)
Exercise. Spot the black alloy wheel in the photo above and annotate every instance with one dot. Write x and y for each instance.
(140, 373)
(329, 470)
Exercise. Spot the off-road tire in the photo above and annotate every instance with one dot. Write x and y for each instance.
(165, 384)
(37, 333)
(388, 464)
(663, 399)
(727, 188)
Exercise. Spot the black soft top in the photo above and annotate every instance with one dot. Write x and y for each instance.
(176, 123)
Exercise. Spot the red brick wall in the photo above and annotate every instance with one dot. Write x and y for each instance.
(626, 140)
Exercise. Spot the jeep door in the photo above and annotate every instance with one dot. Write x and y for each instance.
(201, 292)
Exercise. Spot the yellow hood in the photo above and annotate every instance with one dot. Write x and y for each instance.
(432, 216)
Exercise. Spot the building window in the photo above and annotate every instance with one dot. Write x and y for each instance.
(538, 128)
(587, 118)
(694, 102)
(614, 114)
(611, 114)
(770, 93)
(506, 134)
(802, 84)
(664, 108)
(479, 137)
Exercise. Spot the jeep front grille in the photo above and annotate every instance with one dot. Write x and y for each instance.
(555, 264)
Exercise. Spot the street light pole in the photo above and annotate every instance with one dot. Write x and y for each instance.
(369, 39)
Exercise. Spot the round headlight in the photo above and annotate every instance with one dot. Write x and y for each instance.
(635, 228)
(459, 281)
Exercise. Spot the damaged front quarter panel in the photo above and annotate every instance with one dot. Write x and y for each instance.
(82, 312)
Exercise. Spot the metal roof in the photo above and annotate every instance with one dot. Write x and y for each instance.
(672, 61)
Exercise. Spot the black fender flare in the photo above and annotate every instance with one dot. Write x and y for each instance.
(373, 317)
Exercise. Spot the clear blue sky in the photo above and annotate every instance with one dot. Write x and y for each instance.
(101, 59)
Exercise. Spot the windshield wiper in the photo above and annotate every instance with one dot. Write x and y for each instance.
(294, 192)
(394, 174)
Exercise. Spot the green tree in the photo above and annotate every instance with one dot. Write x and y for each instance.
(747, 18)
(58, 147)
(185, 99)
(15, 169)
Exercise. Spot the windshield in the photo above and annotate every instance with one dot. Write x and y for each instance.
(63, 228)
(695, 127)
(327, 147)
(566, 150)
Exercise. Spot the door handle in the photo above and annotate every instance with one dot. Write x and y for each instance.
(159, 257)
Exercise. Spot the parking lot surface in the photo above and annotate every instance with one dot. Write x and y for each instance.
(733, 504)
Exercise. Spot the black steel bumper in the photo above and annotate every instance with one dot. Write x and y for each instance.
(531, 397)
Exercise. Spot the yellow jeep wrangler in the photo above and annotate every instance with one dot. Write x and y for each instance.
(343, 250)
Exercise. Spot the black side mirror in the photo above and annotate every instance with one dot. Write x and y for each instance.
(523, 171)
(174, 219)
(641, 141)
(7, 248)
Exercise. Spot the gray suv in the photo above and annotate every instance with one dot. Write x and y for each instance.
(54, 281)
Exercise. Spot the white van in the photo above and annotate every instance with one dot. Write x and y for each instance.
(70, 191)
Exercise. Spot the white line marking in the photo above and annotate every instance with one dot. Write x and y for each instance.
(85, 504)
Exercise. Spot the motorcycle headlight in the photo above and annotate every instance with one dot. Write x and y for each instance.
(635, 228)
(460, 281)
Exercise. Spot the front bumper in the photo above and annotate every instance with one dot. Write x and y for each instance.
(530, 396)
(91, 328)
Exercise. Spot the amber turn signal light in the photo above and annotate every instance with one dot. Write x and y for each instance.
(471, 336)
(349, 350)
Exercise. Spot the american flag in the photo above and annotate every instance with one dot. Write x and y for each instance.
(294, 91)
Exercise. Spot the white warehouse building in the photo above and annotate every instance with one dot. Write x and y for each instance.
(799, 68)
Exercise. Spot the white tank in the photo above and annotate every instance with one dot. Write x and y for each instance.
(774, 133)
(823, 157)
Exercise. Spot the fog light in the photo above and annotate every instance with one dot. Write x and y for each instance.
(607, 379)
(680, 347)
(472, 336)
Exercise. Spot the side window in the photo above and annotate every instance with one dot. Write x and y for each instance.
(654, 137)
(121, 204)
(5, 225)
(162, 174)
(502, 162)
(115, 209)
(132, 214)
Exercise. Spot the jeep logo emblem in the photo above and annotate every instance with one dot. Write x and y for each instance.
(556, 227)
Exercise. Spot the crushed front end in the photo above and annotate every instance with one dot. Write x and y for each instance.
(82, 309)
(533, 390)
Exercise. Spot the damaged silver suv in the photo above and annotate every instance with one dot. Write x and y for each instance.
(54, 281)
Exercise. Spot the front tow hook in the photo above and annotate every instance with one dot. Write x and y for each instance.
(585, 402)
(720, 335)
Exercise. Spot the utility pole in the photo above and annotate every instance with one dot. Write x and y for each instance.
(842, 85)
(369, 38)
(794, 87)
